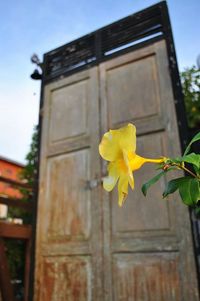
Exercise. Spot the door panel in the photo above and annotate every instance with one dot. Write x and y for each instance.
(144, 241)
(66, 278)
(134, 275)
(70, 102)
(137, 214)
(67, 175)
(89, 249)
(134, 73)
(69, 243)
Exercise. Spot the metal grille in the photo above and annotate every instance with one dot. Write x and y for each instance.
(108, 41)
(70, 57)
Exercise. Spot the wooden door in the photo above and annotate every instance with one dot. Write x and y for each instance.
(148, 249)
(87, 247)
(69, 243)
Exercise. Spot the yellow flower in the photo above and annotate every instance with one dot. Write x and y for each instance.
(118, 147)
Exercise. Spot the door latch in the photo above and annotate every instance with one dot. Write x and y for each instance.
(91, 184)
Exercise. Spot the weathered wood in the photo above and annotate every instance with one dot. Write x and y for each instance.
(15, 231)
(136, 88)
(5, 284)
(87, 247)
(70, 231)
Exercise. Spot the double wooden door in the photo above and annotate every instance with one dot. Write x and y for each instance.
(89, 249)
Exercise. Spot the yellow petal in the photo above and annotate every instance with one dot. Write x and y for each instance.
(113, 175)
(122, 189)
(129, 171)
(160, 160)
(114, 141)
(136, 161)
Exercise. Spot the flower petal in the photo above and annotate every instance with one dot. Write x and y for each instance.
(136, 161)
(129, 171)
(113, 175)
(122, 189)
(114, 141)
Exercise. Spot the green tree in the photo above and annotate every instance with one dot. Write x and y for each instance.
(190, 79)
(16, 248)
(29, 172)
(30, 169)
(28, 175)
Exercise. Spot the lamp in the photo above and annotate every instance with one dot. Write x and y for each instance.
(36, 75)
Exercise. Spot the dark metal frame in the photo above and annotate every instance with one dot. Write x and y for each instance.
(110, 41)
(126, 35)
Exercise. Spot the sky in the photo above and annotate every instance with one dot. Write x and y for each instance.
(38, 26)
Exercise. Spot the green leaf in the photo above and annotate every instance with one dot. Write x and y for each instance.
(197, 211)
(172, 186)
(152, 181)
(197, 170)
(189, 191)
(192, 159)
(195, 138)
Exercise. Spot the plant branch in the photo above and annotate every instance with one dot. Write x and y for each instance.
(185, 169)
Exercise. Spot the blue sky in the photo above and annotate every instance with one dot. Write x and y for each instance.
(29, 26)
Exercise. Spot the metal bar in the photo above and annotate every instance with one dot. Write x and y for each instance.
(16, 203)
(136, 40)
(133, 32)
(98, 45)
(5, 281)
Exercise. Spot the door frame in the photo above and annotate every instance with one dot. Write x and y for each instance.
(153, 24)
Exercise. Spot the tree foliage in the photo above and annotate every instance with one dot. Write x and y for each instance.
(190, 79)
(30, 170)
(16, 248)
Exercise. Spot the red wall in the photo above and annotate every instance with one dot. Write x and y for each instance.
(11, 171)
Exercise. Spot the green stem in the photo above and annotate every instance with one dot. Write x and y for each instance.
(185, 169)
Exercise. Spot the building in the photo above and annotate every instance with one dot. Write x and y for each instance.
(10, 170)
